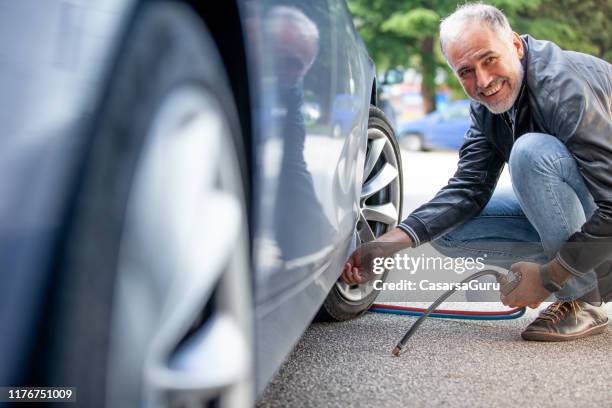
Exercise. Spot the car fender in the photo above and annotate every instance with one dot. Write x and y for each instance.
(55, 58)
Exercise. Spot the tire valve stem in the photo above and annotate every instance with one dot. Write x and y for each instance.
(507, 283)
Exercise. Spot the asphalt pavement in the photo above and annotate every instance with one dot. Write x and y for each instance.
(454, 363)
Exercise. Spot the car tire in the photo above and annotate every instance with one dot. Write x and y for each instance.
(413, 142)
(131, 295)
(347, 302)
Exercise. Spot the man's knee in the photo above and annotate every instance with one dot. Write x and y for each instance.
(448, 245)
(535, 152)
(532, 148)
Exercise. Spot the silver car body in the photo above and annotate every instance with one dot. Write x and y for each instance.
(54, 56)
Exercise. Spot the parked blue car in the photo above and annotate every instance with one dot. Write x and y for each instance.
(442, 129)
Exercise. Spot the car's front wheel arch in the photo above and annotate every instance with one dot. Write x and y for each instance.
(380, 209)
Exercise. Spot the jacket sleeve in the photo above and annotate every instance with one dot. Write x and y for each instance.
(583, 118)
(465, 194)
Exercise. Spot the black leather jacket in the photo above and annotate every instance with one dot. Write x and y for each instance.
(566, 94)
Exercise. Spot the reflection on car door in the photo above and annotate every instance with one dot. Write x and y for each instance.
(295, 229)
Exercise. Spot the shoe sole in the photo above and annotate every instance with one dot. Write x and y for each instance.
(545, 336)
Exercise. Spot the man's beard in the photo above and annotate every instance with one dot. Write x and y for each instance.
(505, 104)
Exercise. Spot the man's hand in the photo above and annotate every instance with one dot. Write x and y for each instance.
(359, 266)
(530, 291)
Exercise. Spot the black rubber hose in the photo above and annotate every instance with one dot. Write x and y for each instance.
(498, 276)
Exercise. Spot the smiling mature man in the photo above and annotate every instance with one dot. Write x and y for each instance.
(547, 113)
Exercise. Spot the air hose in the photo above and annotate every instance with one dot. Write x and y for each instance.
(507, 285)
(448, 314)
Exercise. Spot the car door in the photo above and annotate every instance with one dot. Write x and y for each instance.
(295, 226)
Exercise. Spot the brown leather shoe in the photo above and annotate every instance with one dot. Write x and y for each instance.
(564, 321)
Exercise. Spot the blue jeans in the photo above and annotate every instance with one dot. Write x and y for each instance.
(547, 203)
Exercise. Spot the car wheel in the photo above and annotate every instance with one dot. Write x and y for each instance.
(380, 206)
(151, 304)
(412, 142)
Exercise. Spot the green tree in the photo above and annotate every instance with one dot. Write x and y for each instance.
(400, 32)
(578, 25)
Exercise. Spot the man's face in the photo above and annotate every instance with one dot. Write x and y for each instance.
(294, 54)
(488, 67)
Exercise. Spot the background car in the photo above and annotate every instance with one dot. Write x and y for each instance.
(443, 128)
(171, 222)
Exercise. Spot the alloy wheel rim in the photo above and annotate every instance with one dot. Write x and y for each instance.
(379, 202)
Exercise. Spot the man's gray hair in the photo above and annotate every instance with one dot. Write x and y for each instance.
(296, 18)
(451, 26)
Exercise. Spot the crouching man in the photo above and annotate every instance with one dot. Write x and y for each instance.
(548, 114)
